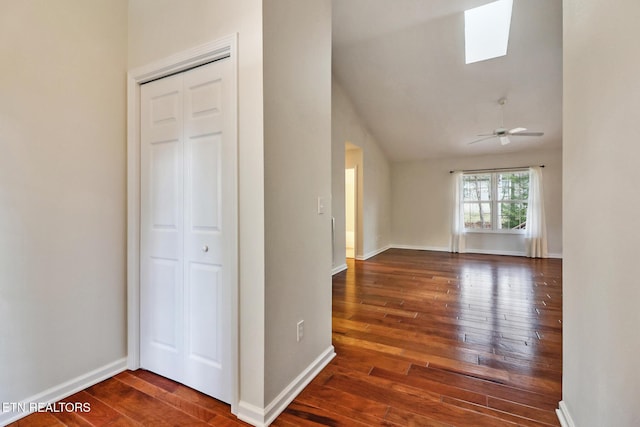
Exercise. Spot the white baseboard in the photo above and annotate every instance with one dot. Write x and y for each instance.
(372, 253)
(262, 417)
(66, 389)
(494, 252)
(468, 251)
(339, 269)
(564, 416)
(507, 253)
(421, 248)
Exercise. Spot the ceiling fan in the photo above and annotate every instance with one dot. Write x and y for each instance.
(503, 133)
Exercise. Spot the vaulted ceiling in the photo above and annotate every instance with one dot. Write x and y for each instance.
(402, 64)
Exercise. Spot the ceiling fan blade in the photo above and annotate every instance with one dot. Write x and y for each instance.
(482, 139)
(504, 140)
(516, 130)
(486, 134)
(528, 134)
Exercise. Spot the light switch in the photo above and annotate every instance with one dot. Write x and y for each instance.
(321, 207)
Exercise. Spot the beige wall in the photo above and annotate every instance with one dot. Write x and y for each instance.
(601, 343)
(159, 28)
(375, 183)
(62, 192)
(297, 112)
(422, 201)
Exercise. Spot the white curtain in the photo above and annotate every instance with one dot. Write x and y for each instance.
(536, 231)
(457, 243)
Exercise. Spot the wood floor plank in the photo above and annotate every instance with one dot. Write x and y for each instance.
(547, 417)
(161, 394)
(318, 416)
(364, 360)
(72, 419)
(157, 380)
(417, 401)
(100, 414)
(480, 409)
(442, 389)
(38, 419)
(411, 419)
(139, 406)
(338, 398)
(489, 388)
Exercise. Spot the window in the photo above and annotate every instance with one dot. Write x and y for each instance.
(495, 201)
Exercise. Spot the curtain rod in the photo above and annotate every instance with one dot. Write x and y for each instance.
(495, 169)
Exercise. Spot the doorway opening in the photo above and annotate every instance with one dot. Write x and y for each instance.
(353, 192)
(350, 208)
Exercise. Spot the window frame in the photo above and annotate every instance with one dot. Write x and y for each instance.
(494, 202)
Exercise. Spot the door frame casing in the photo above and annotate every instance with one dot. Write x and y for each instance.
(225, 47)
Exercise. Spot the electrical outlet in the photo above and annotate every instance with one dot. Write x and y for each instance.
(300, 330)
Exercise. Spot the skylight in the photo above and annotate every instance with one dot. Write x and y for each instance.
(486, 30)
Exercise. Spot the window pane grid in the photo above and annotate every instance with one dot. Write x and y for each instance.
(477, 187)
(513, 186)
(477, 216)
(495, 201)
(512, 215)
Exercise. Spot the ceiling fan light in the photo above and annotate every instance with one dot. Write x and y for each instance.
(504, 140)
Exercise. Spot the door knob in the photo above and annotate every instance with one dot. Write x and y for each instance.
(205, 248)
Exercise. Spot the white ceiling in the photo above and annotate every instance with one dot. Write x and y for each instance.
(402, 64)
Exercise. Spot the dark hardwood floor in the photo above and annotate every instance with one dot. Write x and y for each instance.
(423, 339)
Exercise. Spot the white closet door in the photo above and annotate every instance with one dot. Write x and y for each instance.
(189, 228)
(210, 229)
(162, 236)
